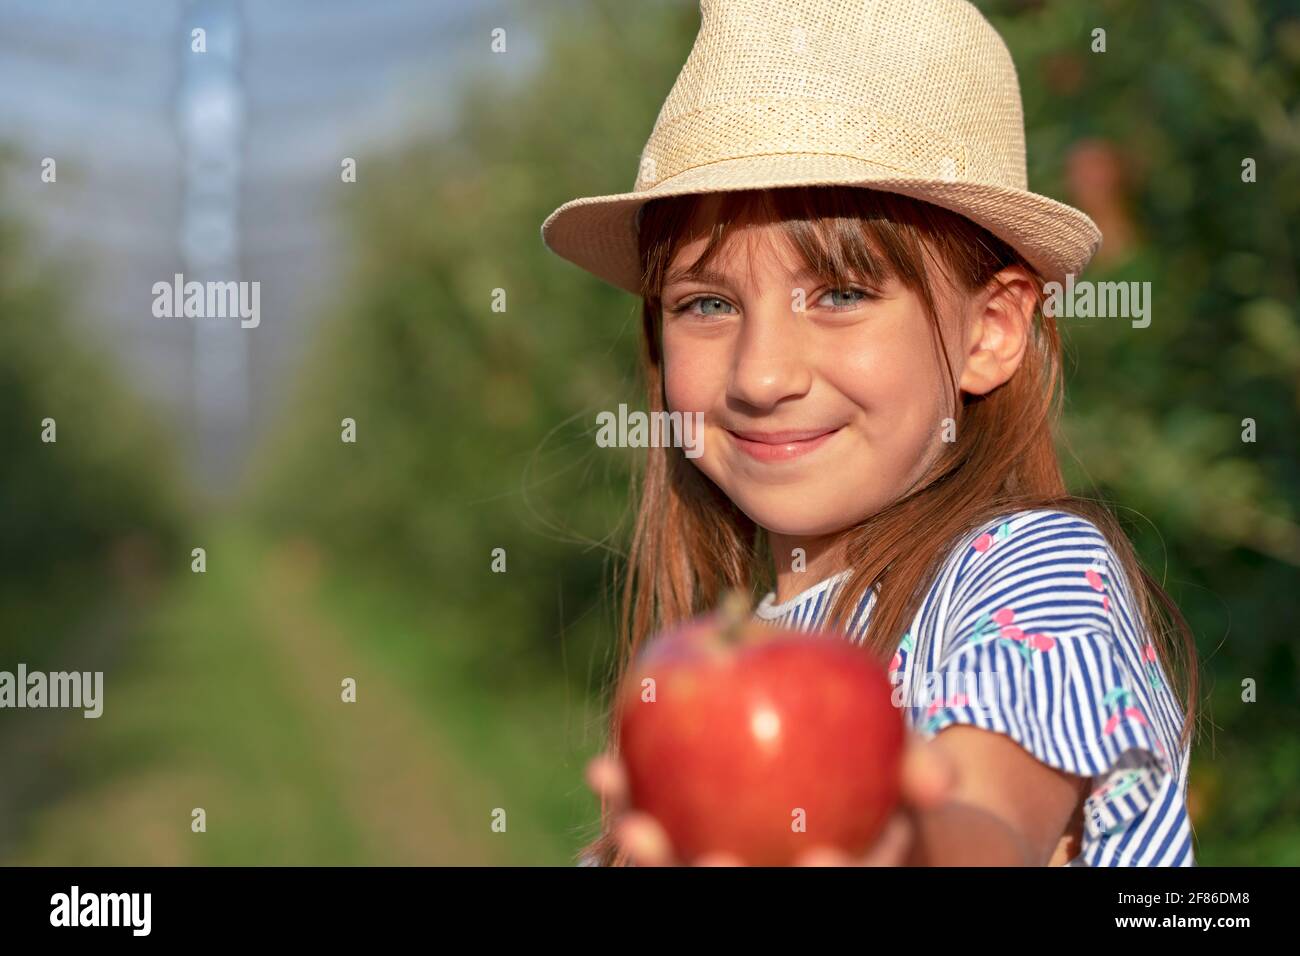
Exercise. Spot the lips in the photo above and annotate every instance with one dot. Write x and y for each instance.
(781, 445)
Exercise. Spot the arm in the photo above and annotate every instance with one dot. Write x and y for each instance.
(1006, 808)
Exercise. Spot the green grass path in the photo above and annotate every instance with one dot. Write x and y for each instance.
(229, 699)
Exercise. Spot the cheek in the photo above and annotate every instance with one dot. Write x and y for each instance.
(898, 382)
(896, 372)
(694, 374)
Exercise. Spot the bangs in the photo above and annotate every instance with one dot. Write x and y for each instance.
(843, 235)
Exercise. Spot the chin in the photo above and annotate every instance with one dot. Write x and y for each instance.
(790, 516)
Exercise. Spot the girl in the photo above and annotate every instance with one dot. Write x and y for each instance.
(842, 269)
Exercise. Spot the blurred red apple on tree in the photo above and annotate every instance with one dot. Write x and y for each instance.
(739, 737)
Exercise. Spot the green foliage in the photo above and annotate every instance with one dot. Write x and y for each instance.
(99, 499)
(475, 427)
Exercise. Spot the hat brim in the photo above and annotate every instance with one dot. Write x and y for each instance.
(598, 233)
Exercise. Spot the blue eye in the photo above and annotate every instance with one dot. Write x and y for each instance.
(703, 300)
(862, 294)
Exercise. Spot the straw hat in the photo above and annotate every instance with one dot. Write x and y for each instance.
(917, 97)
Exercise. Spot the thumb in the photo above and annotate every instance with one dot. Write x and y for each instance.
(929, 775)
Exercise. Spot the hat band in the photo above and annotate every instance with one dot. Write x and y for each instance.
(789, 125)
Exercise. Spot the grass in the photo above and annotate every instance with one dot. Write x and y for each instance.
(227, 697)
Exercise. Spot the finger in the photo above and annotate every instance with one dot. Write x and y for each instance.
(644, 839)
(894, 844)
(719, 858)
(605, 775)
(824, 856)
(929, 776)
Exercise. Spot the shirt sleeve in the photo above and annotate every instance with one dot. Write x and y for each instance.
(1043, 644)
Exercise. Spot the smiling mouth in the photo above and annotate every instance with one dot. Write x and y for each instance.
(781, 446)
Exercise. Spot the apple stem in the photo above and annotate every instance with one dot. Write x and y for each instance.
(734, 611)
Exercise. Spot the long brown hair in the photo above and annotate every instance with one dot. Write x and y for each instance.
(690, 543)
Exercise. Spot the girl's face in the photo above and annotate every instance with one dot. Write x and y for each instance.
(814, 419)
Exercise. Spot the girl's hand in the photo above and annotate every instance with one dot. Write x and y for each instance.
(928, 779)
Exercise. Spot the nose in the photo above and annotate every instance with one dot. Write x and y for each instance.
(769, 364)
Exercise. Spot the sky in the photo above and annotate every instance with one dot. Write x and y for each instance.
(224, 163)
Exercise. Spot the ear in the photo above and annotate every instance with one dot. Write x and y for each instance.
(999, 322)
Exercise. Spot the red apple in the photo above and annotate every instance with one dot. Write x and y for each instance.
(760, 742)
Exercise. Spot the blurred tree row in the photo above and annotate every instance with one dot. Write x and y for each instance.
(475, 426)
(90, 496)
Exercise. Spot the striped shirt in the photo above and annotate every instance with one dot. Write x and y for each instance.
(1030, 629)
